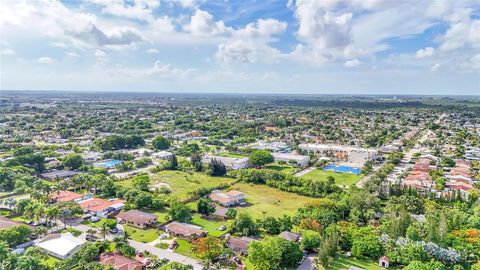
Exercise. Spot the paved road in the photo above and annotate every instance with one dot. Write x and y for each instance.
(307, 170)
(161, 253)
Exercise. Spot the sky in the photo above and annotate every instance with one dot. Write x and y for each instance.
(429, 47)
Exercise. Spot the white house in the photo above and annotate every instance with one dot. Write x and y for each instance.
(60, 246)
(228, 199)
(229, 162)
(299, 159)
(164, 155)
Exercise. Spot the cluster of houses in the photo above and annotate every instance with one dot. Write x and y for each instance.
(459, 179)
(354, 155)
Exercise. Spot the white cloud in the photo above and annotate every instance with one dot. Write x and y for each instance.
(7, 51)
(427, 52)
(352, 63)
(203, 24)
(245, 51)
(137, 9)
(45, 60)
(73, 54)
(435, 67)
(100, 54)
(152, 51)
(262, 28)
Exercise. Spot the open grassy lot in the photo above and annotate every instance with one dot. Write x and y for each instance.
(341, 179)
(269, 201)
(210, 226)
(139, 235)
(181, 183)
(281, 168)
(73, 231)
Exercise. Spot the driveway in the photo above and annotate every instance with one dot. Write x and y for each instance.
(308, 263)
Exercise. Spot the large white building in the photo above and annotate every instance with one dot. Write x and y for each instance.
(299, 159)
(229, 162)
(60, 246)
(350, 154)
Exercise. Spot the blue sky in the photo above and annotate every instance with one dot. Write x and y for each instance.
(270, 46)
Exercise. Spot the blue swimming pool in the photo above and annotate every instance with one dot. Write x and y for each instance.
(342, 169)
(110, 163)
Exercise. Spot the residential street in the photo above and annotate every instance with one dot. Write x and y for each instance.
(161, 253)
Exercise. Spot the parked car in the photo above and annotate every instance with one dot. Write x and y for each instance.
(173, 245)
(91, 238)
(94, 219)
(222, 228)
(237, 260)
(114, 230)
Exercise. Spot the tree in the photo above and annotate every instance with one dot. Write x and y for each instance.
(15, 235)
(231, 213)
(417, 265)
(73, 161)
(328, 249)
(208, 248)
(244, 225)
(365, 243)
(179, 212)
(111, 223)
(270, 224)
(205, 206)
(265, 254)
(310, 239)
(172, 164)
(160, 143)
(274, 253)
(260, 157)
(196, 160)
(104, 231)
(141, 182)
(217, 168)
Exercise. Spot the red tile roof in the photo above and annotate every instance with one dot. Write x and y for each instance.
(119, 262)
(97, 204)
(65, 196)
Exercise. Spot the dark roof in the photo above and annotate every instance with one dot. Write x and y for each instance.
(290, 236)
(136, 216)
(58, 174)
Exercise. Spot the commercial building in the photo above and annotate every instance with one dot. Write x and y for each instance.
(289, 158)
(229, 162)
(350, 154)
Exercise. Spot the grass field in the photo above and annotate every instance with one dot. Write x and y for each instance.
(73, 231)
(281, 168)
(185, 248)
(269, 201)
(341, 179)
(181, 183)
(342, 262)
(139, 235)
(210, 226)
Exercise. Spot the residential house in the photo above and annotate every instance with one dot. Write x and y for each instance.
(119, 262)
(65, 196)
(219, 214)
(239, 245)
(290, 236)
(228, 199)
(100, 207)
(185, 231)
(137, 218)
(58, 174)
(60, 246)
(163, 155)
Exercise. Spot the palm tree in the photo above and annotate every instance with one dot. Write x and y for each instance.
(125, 235)
(104, 231)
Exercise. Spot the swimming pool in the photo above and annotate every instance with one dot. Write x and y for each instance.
(342, 169)
(109, 163)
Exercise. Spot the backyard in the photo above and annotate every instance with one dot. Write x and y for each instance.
(343, 262)
(210, 226)
(341, 179)
(266, 201)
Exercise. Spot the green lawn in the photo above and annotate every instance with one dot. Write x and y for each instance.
(97, 224)
(281, 168)
(50, 261)
(342, 262)
(269, 201)
(21, 219)
(341, 179)
(185, 248)
(73, 231)
(162, 245)
(162, 214)
(181, 183)
(209, 225)
(233, 155)
(139, 235)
